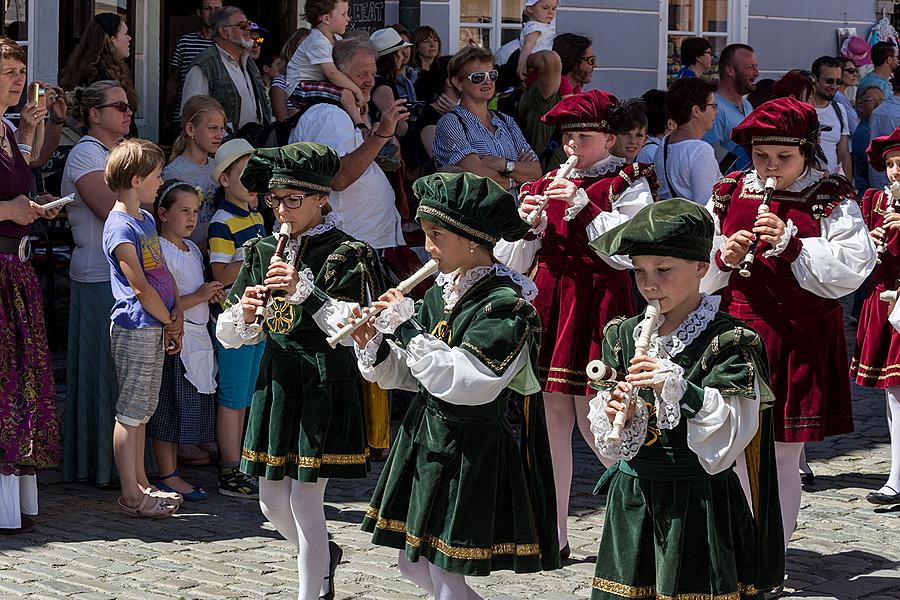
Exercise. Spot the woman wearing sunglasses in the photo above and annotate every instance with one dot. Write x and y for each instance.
(476, 139)
(846, 94)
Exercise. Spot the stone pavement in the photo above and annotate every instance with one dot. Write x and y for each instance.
(222, 548)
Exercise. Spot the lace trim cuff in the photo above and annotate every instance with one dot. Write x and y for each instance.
(236, 314)
(633, 433)
(578, 203)
(541, 225)
(305, 287)
(668, 401)
(395, 315)
(369, 355)
(790, 230)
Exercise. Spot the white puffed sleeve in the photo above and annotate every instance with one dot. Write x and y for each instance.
(332, 313)
(716, 278)
(722, 428)
(455, 375)
(231, 330)
(519, 255)
(390, 374)
(836, 263)
(629, 202)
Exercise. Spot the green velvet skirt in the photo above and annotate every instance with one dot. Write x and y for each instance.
(306, 418)
(459, 491)
(688, 539)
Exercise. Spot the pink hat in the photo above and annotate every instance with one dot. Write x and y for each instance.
(856, 49)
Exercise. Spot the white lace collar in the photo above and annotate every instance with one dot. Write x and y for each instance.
(453, 290)
(688, 331)
(610, 164)
(753, 183)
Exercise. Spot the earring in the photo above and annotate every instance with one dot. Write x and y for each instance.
(472, 250)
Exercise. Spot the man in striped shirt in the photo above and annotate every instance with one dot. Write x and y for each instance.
(187, 48)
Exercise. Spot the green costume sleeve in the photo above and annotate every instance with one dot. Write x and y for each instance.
(612, 352)
(350, 274)
(498, 334)
(731, 364)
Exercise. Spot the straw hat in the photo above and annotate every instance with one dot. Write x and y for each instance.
(229, 152)
(387, 40)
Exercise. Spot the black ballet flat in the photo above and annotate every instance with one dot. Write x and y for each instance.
(879, 498)
(335, 553)
(775, 593)
(564, 552)
(807, 479)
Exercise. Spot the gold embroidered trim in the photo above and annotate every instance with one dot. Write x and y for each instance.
(459, 225)
(280, 181)
(782, 139)
(563, 380)
(460, 552)
(649, 591)
(561, 370)
(585, 124)
(875, 373)
(305, 462)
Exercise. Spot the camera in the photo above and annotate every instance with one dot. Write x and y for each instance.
(415, 108)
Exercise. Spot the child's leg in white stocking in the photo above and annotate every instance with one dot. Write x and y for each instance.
(417, 572)
(275, 502)
(450, 586)
(787, 457)
(560, 410)
(892, 486)
(312, 536)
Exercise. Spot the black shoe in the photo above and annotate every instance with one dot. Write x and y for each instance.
(336, 553)
(564, 552)
(879, 498)
(807, 478)
(775, 593)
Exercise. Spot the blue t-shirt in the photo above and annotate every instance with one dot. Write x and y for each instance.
(727, 116)
(122, 228)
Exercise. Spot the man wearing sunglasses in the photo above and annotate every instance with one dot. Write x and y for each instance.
(226, 72)
(835, 138)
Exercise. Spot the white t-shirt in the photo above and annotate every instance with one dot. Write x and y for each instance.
(829, 139)
(200, 176)
(310, 55)
(367, 206)
(547, 31)
(88, 259)
(691, 168)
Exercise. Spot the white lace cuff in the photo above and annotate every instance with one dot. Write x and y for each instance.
(668, 401)
(305, 287)
(236, 314)
(633, 433)
(539, 227)
(367, 356)
(790, 230)
(395, 315)
(578, 202)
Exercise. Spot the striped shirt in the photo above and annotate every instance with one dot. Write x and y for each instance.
(187, 48)
(230, 227)
(460, 133)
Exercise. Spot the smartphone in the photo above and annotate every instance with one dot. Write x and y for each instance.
(35, 91)
(60, 201)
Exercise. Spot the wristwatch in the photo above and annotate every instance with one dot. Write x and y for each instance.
(510, 167)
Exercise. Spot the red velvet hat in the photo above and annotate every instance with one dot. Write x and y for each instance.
(783, 121)
(587, 111)
(880, 147)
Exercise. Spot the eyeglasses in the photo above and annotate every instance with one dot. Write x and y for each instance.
(479, 77)
(830, 80)
(712, 105)
(591, 60)
(245, 25)
(292, 201)
(851, 70)
(122, 107)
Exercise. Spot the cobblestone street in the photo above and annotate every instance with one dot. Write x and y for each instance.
(222, 548)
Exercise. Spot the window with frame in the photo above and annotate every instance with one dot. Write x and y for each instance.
(489, 23)
(696, 18)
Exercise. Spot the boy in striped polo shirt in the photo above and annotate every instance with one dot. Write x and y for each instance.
(234, 223)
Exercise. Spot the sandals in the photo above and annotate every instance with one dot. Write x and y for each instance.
(151, 507)
(194, 495)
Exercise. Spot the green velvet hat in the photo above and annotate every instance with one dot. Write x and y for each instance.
(469, 205)
(676, 227)
(302, 166)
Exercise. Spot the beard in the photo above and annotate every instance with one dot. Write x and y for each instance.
(745, 86)
(246, 44)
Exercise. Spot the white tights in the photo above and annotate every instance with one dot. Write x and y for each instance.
(563, 412)
(297, 512)
(787, 459)
(436, 581)
(892, 395)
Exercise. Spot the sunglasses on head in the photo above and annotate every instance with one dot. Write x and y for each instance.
(852, 70)
(122, 107)
(291, 201)
(591, 60)
(480, 76)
